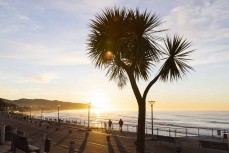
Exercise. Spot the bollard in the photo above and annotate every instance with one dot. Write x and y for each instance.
(47, 145)
(72, 147)
(3, 126)
(108, 137)
(86, 134)
(42, 148)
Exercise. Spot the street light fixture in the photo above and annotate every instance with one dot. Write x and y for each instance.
(58, 109)
(42, 112)
(89, 107)
(151, 103)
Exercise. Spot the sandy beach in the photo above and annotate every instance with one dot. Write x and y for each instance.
(95, 142)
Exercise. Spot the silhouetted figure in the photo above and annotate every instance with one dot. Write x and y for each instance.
(110, 124)
(120, 124)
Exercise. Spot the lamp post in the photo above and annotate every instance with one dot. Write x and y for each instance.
(58, 109)
(42, 112)
(30, 111)
(151, 103)
(89, 107)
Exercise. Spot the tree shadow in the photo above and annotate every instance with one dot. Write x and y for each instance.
(83, 145)
(61, 140)
(110, 147)
(119, 144)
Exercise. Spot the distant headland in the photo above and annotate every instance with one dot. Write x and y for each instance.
(36, 104)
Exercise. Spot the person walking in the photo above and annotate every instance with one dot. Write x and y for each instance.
(120, 124)
(110, 124)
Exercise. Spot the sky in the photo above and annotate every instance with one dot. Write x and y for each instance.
(43, 53)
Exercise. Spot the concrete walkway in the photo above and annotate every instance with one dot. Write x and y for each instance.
(93, 142)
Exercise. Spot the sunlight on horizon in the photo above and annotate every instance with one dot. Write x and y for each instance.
(100, 103)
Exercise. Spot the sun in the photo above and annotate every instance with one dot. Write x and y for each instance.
(100, 102)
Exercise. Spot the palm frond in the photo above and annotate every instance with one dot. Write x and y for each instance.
(176, 51)
(131, 37)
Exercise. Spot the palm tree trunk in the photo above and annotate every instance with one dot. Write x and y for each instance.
(141, 114)
(141, 128)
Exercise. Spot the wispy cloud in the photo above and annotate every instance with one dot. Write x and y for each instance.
(41, 54)
(40, 78)
(7, 56)
(206, 23)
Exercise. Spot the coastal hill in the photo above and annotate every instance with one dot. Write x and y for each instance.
(47, 104)
(4, 105)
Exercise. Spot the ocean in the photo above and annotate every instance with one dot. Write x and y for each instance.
(161, 119)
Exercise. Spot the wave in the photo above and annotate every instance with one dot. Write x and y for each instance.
(218, 122)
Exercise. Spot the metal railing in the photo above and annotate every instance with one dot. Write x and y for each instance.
(158, 130)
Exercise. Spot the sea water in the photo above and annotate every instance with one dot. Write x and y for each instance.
(195, 119)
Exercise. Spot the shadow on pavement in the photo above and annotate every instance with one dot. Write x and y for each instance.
(110, 147)
(83, 145)
(119, 144)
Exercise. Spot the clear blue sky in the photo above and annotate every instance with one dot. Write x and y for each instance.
(43, 53)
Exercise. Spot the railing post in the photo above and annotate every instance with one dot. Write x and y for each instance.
(186, 132)
(169, 132)
(212, 132)
(146, 130)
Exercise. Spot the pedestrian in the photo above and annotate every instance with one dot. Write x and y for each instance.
(120, 124)
(110, 124)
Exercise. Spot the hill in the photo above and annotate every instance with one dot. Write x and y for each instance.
(47, 104)
(6, 105)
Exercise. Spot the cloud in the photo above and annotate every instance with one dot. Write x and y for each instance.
(65, 59)
(5, 56)
(15, 18)
(41, 78)
(44, 55)
(206, 24)
(83, 7)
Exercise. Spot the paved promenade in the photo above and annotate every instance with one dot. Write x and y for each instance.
(95, 142)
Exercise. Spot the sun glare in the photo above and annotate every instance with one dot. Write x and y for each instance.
(100, 103)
